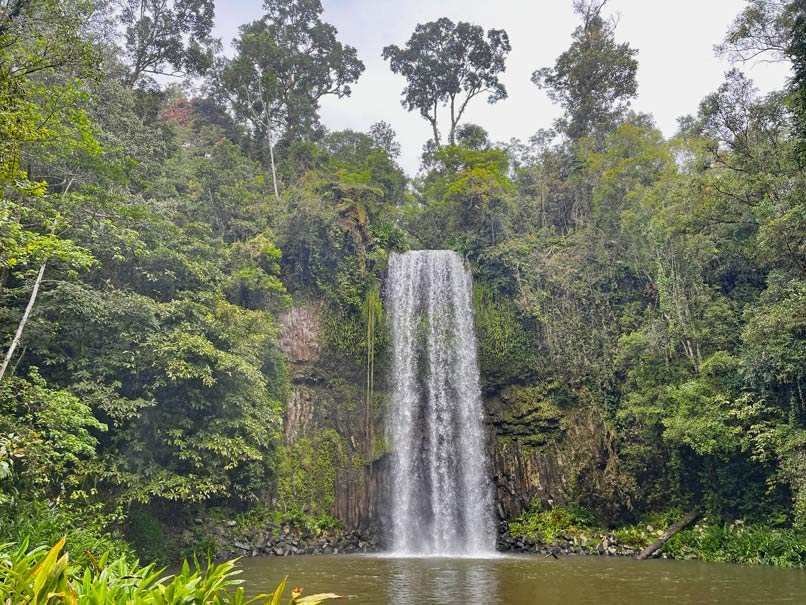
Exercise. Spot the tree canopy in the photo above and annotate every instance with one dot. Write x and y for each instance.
(164, 37)
(447, 63)
(285, 63)
(595, 79)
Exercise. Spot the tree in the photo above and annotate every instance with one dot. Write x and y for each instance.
(22, 246)
(367, 158)
(167, 37)
(447, 63)
(465, 201)
(776, 29)
(45, 51)
(764, 143)
(764, 26)
(384, 137)
(285, 63)
(797, 52)
(211, 181)
(594, 79)
(473, 137)
(51, 431)
(43, 35)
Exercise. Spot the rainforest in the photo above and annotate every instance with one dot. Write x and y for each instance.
(197, 356)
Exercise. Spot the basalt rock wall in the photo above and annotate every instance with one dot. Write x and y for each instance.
(328, 393)
(565, 457)
(538, 450)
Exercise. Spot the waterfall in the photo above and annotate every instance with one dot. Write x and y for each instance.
(440, 484)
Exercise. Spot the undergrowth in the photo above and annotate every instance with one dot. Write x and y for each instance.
(548, 525)
(739, 543)
(44, 576)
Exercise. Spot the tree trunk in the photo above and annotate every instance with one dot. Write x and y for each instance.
(433, 121)
(271, 156)
(452, 137)
(688, 518)
(18, 335)
(23, 321)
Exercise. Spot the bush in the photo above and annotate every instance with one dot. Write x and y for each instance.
(738, 543)
(146, 536)
(41, 522)
(319, 524)
(49, 576)
(548, 525)
(633, 535)
(644, 532)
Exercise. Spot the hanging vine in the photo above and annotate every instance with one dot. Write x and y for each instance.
(372, 311)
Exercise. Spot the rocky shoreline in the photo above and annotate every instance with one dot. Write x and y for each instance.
(595, 543)
(228, 540)
(287, 539)
(603, 545)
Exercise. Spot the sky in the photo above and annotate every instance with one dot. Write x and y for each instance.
(676, 62)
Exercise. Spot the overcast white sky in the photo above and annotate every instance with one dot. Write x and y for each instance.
(676, 62)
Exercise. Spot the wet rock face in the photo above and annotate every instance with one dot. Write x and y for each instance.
(327, 394)
(298, 412)
(521, 474)
(575, 463)
(300, 335)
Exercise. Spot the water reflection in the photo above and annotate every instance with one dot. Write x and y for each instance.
(440, 580)
(516, 580)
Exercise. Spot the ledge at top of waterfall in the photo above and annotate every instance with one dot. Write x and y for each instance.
(442, 497)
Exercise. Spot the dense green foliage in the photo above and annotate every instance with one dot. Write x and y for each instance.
(736, 543)
(48, 577)
(548, 525)
(153, 240)
(733, 542)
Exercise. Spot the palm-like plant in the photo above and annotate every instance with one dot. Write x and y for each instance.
(48, 577)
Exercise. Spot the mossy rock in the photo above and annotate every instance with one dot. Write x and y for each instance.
(530, 415)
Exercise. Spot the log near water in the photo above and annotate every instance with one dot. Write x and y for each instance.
(688, 518)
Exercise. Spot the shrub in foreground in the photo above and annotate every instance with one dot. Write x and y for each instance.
(49, 577)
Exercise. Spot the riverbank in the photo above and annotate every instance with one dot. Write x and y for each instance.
(594, 543)
(228, 538)
(731, 543)
(572, 531)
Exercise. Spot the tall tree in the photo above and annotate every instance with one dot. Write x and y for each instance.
(44, 51)
(447, 63)
(777, 30)
(763, 27)
(594, 79)
(797, 51)
(285, 63)
(167, 37)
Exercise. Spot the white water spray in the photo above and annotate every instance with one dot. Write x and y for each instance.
(441, 488)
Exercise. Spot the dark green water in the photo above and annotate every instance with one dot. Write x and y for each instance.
(374, 580)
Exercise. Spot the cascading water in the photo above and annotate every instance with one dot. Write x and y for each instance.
(441, 489)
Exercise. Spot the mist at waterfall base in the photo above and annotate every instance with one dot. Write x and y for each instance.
(441, 489)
